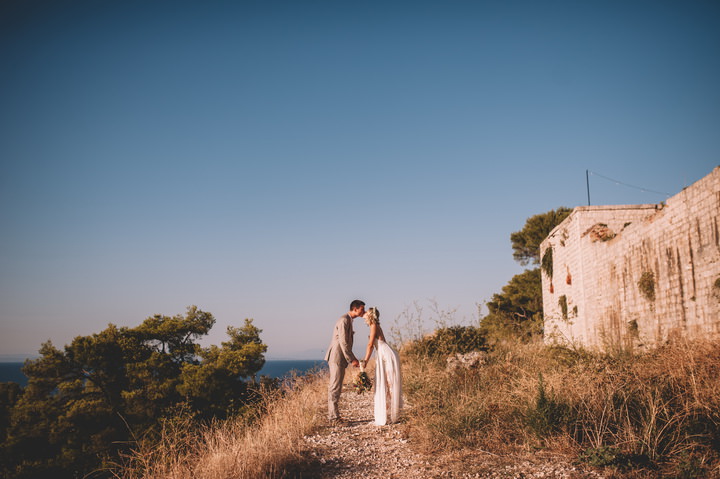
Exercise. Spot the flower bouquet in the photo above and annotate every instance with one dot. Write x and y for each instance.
(362, 381)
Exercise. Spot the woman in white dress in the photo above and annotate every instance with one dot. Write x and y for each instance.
(388, 380)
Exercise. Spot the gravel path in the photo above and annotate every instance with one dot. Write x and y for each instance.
(362, 450)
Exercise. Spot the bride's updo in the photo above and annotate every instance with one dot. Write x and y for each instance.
(372, 316)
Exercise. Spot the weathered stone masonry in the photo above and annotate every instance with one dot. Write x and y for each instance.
(635, 274)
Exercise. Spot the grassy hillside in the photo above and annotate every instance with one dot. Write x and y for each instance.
(636, 415)
(633, 416)
(264, 445)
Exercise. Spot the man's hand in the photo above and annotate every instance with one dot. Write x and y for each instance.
(356, 363)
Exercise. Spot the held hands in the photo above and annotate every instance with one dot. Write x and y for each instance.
(355, 363)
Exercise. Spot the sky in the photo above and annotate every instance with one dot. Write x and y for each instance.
(275, 160)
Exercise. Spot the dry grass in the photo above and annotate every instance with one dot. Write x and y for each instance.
(650, 415)
(237, 448)
(656, 412)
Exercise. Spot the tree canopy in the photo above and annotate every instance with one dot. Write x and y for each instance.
(516, 312)
(526, 242)
(84, 404)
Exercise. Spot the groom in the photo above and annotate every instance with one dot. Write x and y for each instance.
(339, 354)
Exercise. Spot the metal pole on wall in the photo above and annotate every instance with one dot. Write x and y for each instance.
(587, 182)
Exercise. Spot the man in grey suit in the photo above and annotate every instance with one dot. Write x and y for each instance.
(339, 354)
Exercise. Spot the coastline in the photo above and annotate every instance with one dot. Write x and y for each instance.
(10, 371)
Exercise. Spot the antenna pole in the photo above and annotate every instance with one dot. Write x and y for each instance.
(587, 183)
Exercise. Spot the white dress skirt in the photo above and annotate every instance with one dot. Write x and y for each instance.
(388, 382)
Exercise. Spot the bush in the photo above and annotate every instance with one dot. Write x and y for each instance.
(548, 415)
(691, 466)
(448, 341)
(601, 456)
(606, 456)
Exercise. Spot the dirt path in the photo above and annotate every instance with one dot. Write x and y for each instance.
(362, 450)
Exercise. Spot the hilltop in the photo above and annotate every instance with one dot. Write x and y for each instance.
(523, 410)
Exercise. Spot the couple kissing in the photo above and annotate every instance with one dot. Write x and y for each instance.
(388, 380)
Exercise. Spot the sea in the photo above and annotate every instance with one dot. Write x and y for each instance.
(274, 368)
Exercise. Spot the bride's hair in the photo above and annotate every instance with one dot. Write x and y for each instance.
(372, 316)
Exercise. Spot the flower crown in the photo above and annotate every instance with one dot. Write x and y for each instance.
(372, 316)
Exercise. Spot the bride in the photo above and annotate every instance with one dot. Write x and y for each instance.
(388, 381)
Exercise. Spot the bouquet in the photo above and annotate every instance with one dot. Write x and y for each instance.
(362, 381)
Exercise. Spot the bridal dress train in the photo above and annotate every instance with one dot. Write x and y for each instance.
(387, 379)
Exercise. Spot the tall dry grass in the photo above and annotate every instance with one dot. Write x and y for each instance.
(659, 410)
(267, 446)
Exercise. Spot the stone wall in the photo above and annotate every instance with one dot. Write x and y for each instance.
(635, 274)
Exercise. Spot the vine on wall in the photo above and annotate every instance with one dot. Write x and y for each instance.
(562, 302)
(646, 283)
(546, 264)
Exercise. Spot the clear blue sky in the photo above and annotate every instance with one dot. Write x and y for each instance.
(275, 160)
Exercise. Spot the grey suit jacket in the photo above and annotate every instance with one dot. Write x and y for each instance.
(340, 349)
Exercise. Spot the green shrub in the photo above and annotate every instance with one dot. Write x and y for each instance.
(606, 456)
(547, 415)
(602, 456)
(691, 466)
(448, 341)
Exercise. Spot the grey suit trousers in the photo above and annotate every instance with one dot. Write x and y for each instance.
(338, 356)
(337, 376)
